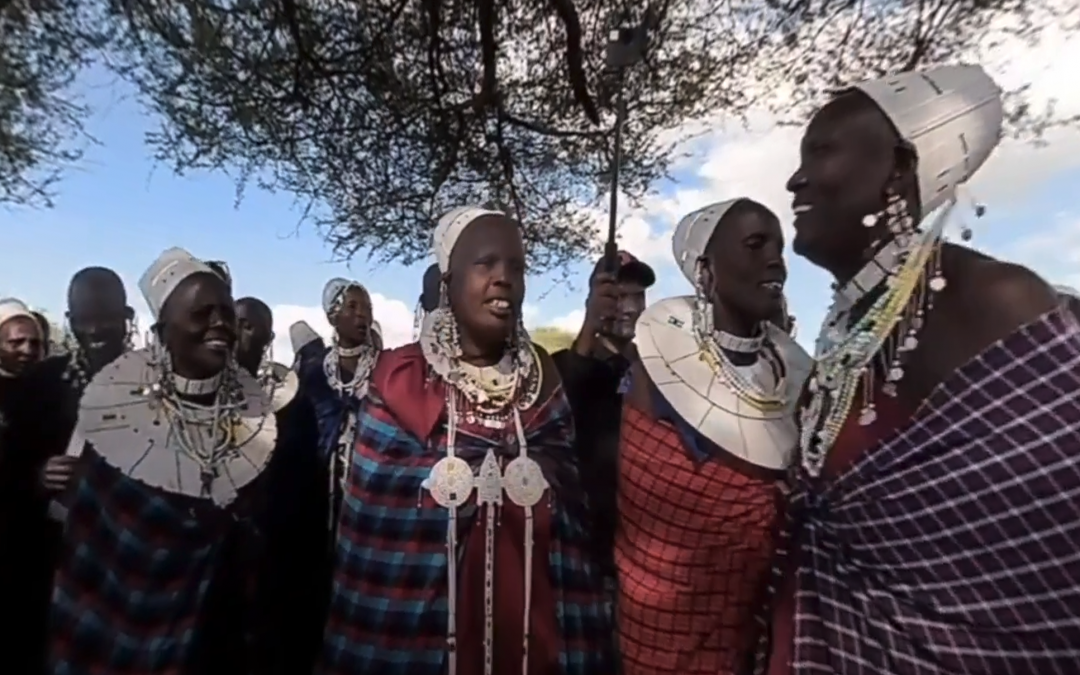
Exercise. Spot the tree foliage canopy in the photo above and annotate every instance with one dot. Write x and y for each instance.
(381, 114)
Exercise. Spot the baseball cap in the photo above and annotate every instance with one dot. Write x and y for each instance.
(630, 269)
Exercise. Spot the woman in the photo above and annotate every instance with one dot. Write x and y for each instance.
(27, 538)
(462, 547)
(155, 575)
(707, 434)
(338, 380)
(933, 523)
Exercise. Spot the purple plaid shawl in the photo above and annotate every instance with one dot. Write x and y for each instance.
(953, 546)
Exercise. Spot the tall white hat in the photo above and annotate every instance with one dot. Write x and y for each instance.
(166, 273)
(301, 334)
(692, 235)
(12, 308)
(335, 288)
(1067, 290)
(449, 230)
(952, 115)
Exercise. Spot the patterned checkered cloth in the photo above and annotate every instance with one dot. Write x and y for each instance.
(953, 546)
(388, 613)
(693, 551)
(133, 578)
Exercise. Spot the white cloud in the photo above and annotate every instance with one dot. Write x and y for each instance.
(730, 160)
(569, 322)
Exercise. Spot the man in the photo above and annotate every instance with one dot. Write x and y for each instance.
(255, 323)
(100, 322)
(593, 371)
(429, 297)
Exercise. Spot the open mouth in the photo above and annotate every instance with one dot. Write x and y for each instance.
(216, 344)
(775, 288)
(800, 209)
(500, 307)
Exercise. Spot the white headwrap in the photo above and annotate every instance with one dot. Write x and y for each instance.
(11, 308)
(952, 115)
(301, 335)
(450, 228)
(1067, 290)
(166, 273)
(334, 289)
(376, 329)
(692, 235)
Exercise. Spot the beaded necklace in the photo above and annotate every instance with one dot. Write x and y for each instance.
(493, 396)
(845, 358)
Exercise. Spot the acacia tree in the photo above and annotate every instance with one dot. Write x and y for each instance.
(381, 114)
(44, 45)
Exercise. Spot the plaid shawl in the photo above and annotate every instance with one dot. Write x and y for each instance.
(388, 612)
(134, 580)
(953, 546)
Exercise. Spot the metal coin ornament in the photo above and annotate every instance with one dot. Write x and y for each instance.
(450, 482)
(524, 482)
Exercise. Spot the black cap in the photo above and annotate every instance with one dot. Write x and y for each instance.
(630, 269)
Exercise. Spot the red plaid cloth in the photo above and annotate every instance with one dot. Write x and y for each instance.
(693, 552)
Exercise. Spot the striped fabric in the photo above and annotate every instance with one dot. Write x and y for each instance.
(389, 609)
(953, 546)
(133, 578)
(693, 551)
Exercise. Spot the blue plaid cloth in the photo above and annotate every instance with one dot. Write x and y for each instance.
(133, 577)
(389, 613)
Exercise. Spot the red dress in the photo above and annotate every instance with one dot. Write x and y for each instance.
(853, 440)
(693, 551)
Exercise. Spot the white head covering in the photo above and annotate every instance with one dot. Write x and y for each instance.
(11, 308)
(1067, 290)
(334, 289)
(450, 228)
(376, 328)
(301, 335)
(163, 276)
(952, 115)
(692, 236)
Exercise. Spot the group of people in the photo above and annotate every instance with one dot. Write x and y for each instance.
(684, 491)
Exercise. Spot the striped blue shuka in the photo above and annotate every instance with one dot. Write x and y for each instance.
(134, 578)
(389, 613)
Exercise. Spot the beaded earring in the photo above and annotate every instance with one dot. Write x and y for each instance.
(447, 333)
(703, 309)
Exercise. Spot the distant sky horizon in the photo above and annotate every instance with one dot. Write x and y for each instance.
(119, 210)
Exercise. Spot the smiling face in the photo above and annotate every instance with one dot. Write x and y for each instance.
(744, 271)
(352, 318)
(198, 326)
(98, 315)
(851, 158)
(487, 282)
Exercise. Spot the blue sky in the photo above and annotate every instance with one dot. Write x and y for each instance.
(119, 210)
